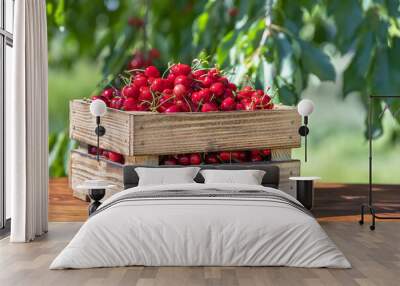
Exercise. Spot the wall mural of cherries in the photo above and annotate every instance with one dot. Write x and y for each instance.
(197, 158)
(183, 88)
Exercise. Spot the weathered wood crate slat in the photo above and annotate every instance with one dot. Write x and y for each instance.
(146, 133)
(84, 166)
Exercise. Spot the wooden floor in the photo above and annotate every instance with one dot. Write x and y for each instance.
(333, 202)
(375, 257)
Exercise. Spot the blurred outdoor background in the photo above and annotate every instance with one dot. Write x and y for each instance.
(333, 52)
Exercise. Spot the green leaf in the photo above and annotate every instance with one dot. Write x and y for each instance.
(376, 126)
(348, 17)
(59, 15)
(201, 24)
(57, 154)
(286, 58)
(287, 95)
(393, 7)
(224, 47)
(315, 61)
(355, 75)
(266, 73)
(381, 83)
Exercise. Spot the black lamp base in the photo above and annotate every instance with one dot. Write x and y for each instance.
(95, 195)
(305, 193)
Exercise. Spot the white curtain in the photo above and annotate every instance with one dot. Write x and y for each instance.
(27, 123)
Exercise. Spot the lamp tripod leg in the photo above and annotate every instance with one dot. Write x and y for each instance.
(361, 221)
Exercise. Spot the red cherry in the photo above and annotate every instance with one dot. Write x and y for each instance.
(195, 97)
(246, 92)
(130, 104)
(202, 96)
(183, 160)
(152, 71)
(240, 106)
(184, 80)
(170, 161)
(180, 69)
(130, 91)
(140, 81)
(136, 22)
(217, 88)
(239, 156)
(154, 53)
(106, 101)
(115, 157)
(256, 158)
(211, 159)
(266, 152)
(225, 156)
(223, 80)
(228, 93)
(228, 104)
(157, 85)
(143, 106)
(250, 105)
(209, 107)
(247, 88)
(256, 99)
(145, 94)
(195, 159)
(207, 81)
(180, 90)
(167, 92)
(173, 109)
(117, 102)
(233, 11)
(93, 150)
(199, 73)
(259, 92)
(171, 77)
(150, 80)
(255, 152)
(137, 61)
(213, 74)
(232, 86)
(183, 105)
(106, 153)
(108, 93)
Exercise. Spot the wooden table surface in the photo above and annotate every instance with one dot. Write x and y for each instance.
(333, 202)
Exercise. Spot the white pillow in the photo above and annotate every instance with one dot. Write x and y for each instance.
(166, 176)
(247, 177)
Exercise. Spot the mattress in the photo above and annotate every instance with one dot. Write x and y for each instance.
(201, 225)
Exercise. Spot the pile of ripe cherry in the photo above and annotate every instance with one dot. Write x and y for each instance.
(183, 88)
(197, 158)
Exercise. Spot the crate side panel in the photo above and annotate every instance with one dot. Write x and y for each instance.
(85, 167)
(206, 132)
(116, 123)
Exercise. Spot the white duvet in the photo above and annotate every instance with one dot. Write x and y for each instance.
(206, 231)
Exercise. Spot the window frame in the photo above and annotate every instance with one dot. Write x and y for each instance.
(6, 39)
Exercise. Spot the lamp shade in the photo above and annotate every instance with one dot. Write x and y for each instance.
(98, 107)
(305, 107)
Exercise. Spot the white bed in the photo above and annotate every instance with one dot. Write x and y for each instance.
(203, 231)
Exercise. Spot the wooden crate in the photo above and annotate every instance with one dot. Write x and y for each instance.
(84, 166)
(143, 136)
(148, 133)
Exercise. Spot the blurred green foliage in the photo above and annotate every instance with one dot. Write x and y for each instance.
(277, 43)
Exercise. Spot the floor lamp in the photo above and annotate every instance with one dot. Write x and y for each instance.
(369, 206)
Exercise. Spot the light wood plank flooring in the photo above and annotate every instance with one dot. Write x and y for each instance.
(375, 257)
(333, 202)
